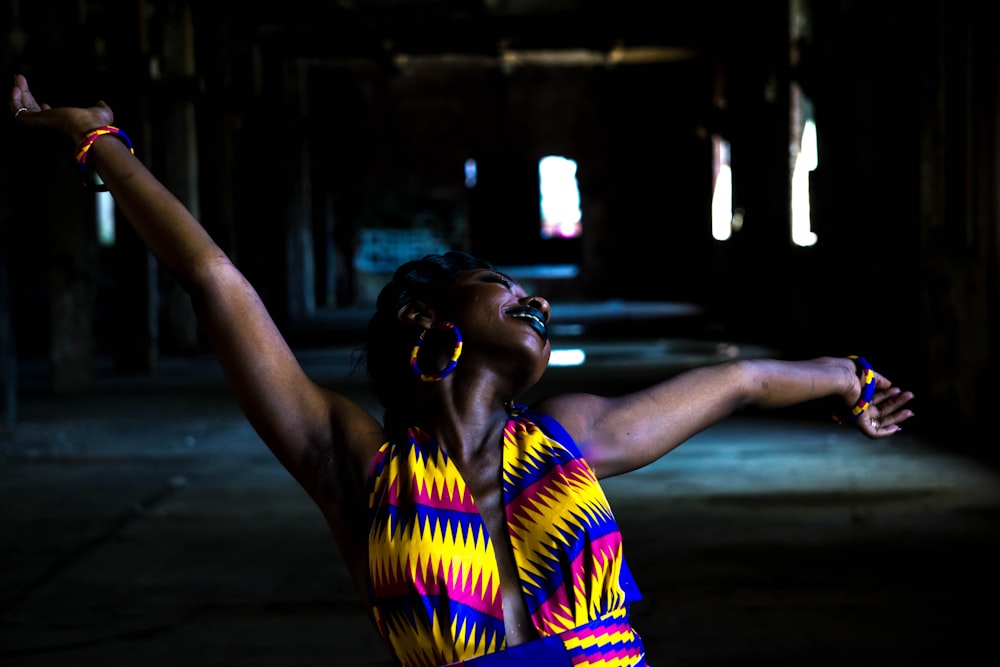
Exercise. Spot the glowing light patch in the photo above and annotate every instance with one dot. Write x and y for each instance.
(572, 357)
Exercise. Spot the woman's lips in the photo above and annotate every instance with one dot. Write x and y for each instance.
(534, 317)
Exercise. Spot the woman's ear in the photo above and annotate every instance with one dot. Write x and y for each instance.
(417, 312)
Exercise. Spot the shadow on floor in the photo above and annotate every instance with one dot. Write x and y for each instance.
(147, 525)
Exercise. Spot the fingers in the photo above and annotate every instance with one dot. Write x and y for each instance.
(21, 99)
(888, 402)
(888, 411)
(892, 400)
(74, 122)
(881, 381)
(874, 425)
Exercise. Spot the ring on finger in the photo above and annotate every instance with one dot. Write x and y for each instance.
(19, 111)
(874, 423)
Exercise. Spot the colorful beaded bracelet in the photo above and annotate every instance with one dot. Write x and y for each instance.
(867, 389)
(88, 141)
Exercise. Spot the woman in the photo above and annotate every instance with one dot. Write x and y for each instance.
(475, 528)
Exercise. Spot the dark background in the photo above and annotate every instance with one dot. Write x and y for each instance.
(142, 521)
(290, 129)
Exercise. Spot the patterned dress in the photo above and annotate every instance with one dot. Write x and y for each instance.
(433, 576)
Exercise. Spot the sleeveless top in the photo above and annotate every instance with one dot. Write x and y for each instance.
(434, 584)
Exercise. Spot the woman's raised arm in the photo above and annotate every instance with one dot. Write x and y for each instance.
(298, 420)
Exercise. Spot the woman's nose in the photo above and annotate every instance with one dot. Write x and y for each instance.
(540, 304)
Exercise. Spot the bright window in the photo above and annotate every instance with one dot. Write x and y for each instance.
(722, 192)
(105, 214)
(560, 198)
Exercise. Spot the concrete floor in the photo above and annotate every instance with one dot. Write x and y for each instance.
(147, 525)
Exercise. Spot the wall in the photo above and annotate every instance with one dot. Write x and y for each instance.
(296, 145)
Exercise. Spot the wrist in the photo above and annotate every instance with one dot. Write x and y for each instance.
(77, 122)
(866, 376)
(85, 144)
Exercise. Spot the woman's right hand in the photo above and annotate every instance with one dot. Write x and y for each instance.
(73, 122)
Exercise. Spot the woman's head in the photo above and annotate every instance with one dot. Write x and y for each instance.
(389, 341)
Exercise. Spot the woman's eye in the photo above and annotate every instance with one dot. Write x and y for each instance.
(497, 278)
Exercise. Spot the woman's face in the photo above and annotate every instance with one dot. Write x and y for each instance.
(495, 313)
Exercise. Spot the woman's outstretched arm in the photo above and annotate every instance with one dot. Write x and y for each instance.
(298, 420)
(624, 433)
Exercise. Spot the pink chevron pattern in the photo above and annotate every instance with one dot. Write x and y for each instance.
(432, 572)
(608, 642)
(565, 538)
(433, 576)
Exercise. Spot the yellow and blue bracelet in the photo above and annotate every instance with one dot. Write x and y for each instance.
(867, 389)
(88, 141)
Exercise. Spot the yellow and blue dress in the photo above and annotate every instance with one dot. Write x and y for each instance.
(433, 577)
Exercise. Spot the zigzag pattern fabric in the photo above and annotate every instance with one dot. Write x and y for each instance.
(608, 641)
(565, 539)
(433, 575)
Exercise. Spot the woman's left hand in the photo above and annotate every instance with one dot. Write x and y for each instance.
(887, 410)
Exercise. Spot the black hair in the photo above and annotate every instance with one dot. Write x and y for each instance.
(389, 342)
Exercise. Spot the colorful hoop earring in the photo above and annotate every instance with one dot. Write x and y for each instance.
(434, 377)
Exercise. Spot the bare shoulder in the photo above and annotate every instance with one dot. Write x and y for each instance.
(355, 432)
(337, 440)
(576, 412)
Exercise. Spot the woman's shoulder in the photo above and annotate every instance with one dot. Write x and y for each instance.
(573, 411)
